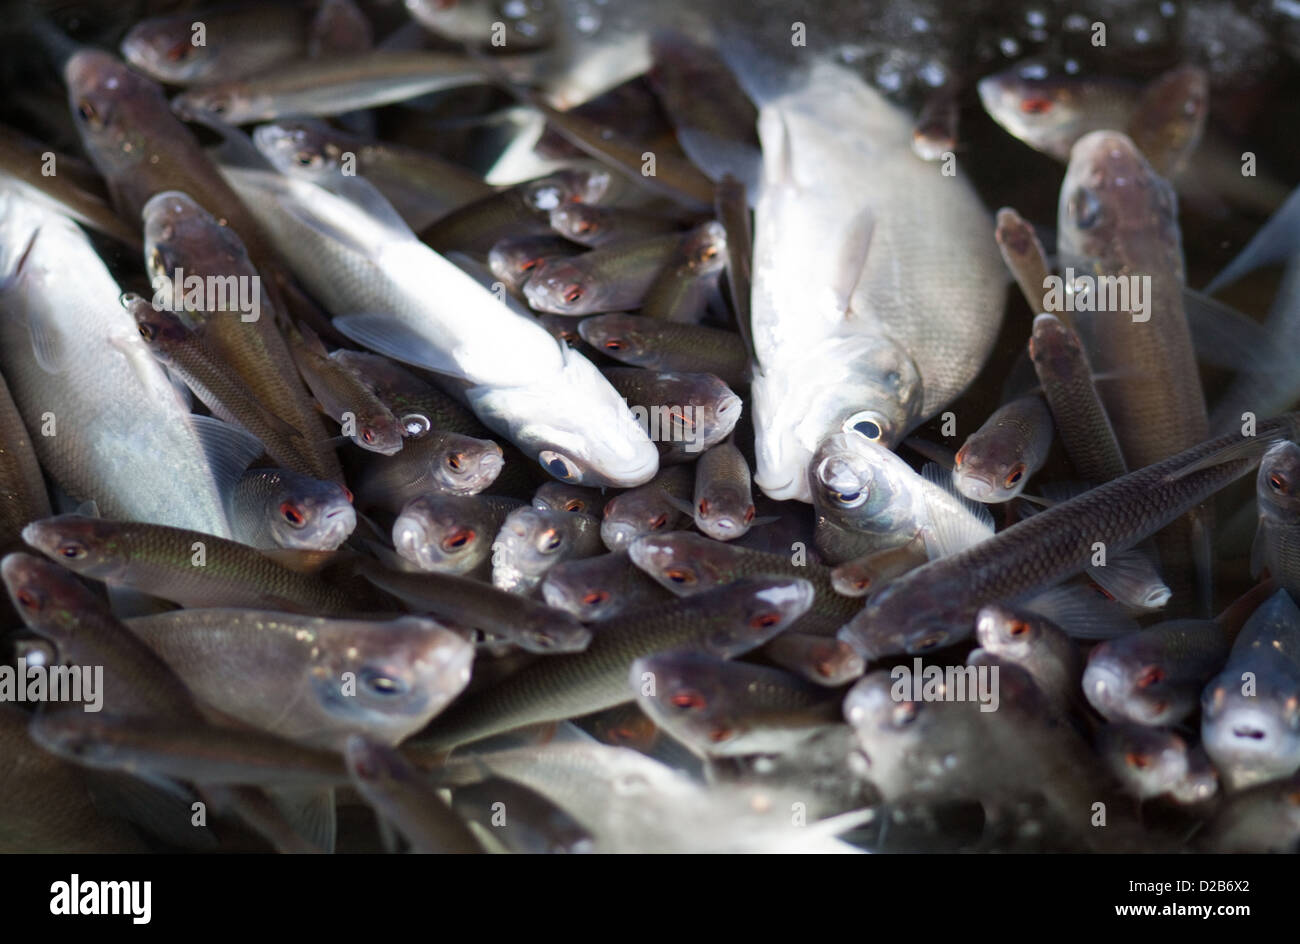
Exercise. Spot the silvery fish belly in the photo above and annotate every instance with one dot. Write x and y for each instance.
(878, 290)
(107, 424)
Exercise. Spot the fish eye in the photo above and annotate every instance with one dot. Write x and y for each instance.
(1017, 628)
(455, 461)
(958, 459)
(680, 575)
(529, 264)
(72, 550)
(749, 514)
(708, 252)
(1085, 208)
(595, 597)
(1037, 105)
(368, 435)
(688, 701)
(89, 114)
(550, 540)
(849, 499)
(347, 494)
(904, 713)
(933, 641)
(1150, 676)
(1277, 481)
(541, 639)
(147, 331)
(457, 540)
(659, 522)
(718, 735)
(558, 466)
(380, 683)
(307, 159)
(867, 424)
(291, 514)
(682, 420)
(704, 506)
(1016, 474)
(573, 293)
(765, 620)
(614, 344)
(575, 504)
(28, 599)
(1136, 760)
(217, 106)
(583, 226)
(180, 52)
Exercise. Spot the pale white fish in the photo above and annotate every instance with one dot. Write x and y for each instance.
(395, 295)
(877, 291)
(107, 423)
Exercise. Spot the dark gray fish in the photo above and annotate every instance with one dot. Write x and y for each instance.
(689, 279)
(1148, 762)
(533, 540)
(276, 508)
(1036, 644)
(1277, 540)
(560, 496)
(521, 820)
(451, 534)
(819, 659)
(596, 226)
(655, 506)
(683, 413)
(996, 460)
(614, 277)
(1265, 818)
(438, 462)
(597, 588)
(664, 345)
(516, 259)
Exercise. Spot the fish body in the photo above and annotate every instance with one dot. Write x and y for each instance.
(272, 508)
(450, 534)
(1277, 540)
(533, 540)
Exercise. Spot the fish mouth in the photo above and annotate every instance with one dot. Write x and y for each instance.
(976, 487)
(620, 535)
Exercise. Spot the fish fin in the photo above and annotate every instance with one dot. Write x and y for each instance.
(304, 562)
(1276, 240)
(1260, 550)
(1126, 568)
(1250, 447)
(1225, 337)
(852, 261)
(681, 505)
(301, 335)
(88, 509)
(47, 345)
(311, 813)
(229, 450)
(1082, 613)
(157, 805)
(935, 452)
(946, 534)
(385, 335)
(766, 519)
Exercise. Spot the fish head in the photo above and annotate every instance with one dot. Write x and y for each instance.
(49, 598)
(407, 671)
(301, 148)
(704, 250)
(86, 546)
(464, 465)
(685, 693)
(1278, 483)
(571, 185)
(164, 49)
(181, 235)
(310, 514)
(378, 430)
(231, 103)
(566, 287)
(628, 516)
(1150, 760)
(1127, 680)
(681, 562)
(440, 533)
(897, 621)
(1009, 633)
(618, 335)
(1054, 347)
(105, 98)
(587, 591)
(550, 631)
(516, 260)
(1110, 201)
(1255, 737)
(531, 542)
(708, 415)
(160, 329)
(763, 608)
(1040, 108)
(863, 386)
(851, 476)
(724, 512)
(579, 222)
(557, 496)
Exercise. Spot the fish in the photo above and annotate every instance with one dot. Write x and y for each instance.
(1250, 712)
(186, 567)
(728, 621)
(22, 489)
(180, 236)
(597, 588)
(115, 432)
(996, 460)
(522, 621)
(1023, 253)
(1154, 677)
(688, 564)
(1081, 421)
(529, 390)
(935, 132)
(277, 508)
(405, 798)
(312, 680)
(533, 540)
(345, 397)
(684, 413)
(57, 606)
(721, 708)
(237, 42)
(419, 406)
(843, 264)
(178, 751)
(863, 576)
(49, 807)
(655, 506)
(422, 187)
(1276, 538)
(1036, 644)
(819, 659)
(611, 278)
(660, 345)
(451, 534)
(329, 85)
(557, 496)
(1263, 818)
(516, 259)
(1170, 117)
(595, 226)
(521, 820)
(724, 501)
(1149, 762)
(438, 462)
(688, 281)
(479, 22)
(865, 488)
(935, 604)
